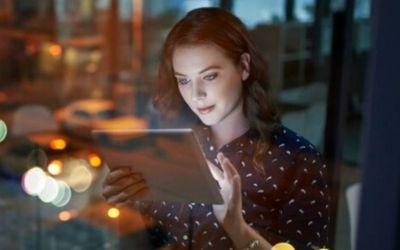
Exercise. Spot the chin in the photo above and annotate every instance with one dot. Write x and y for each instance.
(209, 121)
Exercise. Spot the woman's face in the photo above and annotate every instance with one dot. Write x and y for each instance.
(210, 83)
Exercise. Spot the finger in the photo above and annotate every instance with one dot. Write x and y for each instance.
(120, 185)
(132, 192)
(128, 194)
(227, 166)
(236, 199)
(126, 204)
(215, 171)
(117, 174)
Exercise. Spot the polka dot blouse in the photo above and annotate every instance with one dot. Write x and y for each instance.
(286, 203)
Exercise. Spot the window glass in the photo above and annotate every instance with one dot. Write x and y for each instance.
(105, 54)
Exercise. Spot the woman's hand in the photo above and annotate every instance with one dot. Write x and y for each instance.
(228, 214)
(123, 186)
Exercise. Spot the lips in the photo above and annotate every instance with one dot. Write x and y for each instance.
(205, 110)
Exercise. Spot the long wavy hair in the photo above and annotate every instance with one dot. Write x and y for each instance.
(222, 29)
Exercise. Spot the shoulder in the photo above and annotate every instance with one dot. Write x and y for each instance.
(304, 162)
(293, 144)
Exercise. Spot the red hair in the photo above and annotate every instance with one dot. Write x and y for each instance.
(222, 29)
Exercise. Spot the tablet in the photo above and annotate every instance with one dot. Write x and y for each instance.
(170, 160)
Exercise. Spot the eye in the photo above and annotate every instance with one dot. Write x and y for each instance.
(210, 77)
(182, 81)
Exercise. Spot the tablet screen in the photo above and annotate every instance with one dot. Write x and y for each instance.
(170, 160)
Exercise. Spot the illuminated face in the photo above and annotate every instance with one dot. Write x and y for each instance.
(210, 83)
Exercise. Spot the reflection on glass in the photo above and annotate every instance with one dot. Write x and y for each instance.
(55, 167)
(113, 213)
(50, 190)
(33, 181)
(79, 177)
(60, 52)
(3, 130)
(63, 195)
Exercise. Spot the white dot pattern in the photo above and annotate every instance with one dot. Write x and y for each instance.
(287, 203)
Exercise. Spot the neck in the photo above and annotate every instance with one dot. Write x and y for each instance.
(229, 129)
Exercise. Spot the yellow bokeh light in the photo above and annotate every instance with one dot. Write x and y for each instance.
(55, 50)
(80, 176)
(64, 216)
(55, 167)
(113, 213)
(94, 160)
(58, 144)
(282, 246)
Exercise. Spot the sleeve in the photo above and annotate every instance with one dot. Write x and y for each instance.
(304, 215)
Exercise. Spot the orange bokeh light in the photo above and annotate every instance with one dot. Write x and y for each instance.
(55, 50)
(58, 144)
(64, 215)
(55, 167)
(94, 160)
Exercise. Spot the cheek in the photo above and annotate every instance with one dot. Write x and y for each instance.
(231, 89)
(185, 94)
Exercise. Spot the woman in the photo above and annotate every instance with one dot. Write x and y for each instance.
(272, 180)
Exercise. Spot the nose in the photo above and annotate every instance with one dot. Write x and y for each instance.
(198, 93)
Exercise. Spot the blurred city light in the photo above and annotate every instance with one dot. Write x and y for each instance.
(58, 144)
(113, 213)
(80, 178)
(94, 160)
(282, 246)
(50, 190)
(64, 216)
(55, 167)
(63, 195)
(55, 50)
(3, 130)
(33, 181)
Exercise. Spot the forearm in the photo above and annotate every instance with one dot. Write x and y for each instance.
(243, 235)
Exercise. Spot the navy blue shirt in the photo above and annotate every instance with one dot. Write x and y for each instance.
(289, 202)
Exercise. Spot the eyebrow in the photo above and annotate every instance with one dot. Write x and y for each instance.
(201, 71)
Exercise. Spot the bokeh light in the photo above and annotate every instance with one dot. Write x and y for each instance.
(65, 215)
(80, 178)
(33, 181)
(3, 130)
(113, 212)
(58, 144)
(55, 167)
(50, 190)
(94, 160)
(55, 50)
(63, 195)
(282, 246)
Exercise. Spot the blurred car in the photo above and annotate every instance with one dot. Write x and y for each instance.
(81, 117)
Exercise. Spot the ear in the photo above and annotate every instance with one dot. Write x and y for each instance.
(245, 65)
